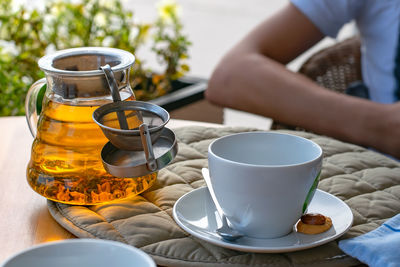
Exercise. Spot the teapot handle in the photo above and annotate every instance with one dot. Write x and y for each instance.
(33, 103)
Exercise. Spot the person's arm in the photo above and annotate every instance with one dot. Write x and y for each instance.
(252, 77)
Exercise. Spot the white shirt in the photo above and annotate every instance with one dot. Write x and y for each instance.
(378, 23)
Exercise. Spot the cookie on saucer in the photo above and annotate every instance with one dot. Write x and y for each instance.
(313, 223)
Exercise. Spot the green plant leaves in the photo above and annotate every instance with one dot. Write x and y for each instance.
(27, 34)
(39, 100)
(311, 192)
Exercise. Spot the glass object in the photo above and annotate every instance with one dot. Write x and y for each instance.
(65, 164)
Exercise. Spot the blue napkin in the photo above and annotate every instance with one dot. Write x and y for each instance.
(380, 247)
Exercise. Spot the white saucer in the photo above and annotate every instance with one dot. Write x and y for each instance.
(196, 214)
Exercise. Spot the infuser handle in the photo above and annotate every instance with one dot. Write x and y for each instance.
(123, 124)
(31, 105)
(147, 147)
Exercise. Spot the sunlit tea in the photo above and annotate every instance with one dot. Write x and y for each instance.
(66, 166)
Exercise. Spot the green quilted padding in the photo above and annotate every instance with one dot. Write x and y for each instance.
(367, 181)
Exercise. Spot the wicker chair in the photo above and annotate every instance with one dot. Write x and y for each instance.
(335, 68)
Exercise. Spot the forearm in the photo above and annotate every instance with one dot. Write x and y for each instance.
(253, 78)
(251, 82)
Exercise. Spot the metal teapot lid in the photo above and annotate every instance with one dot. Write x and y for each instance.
(129, 163)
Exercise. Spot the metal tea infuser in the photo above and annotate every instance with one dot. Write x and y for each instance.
(140, 150)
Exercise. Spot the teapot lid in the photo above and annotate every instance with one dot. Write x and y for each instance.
(130, 163)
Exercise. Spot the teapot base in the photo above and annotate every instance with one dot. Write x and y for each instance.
(76, 190)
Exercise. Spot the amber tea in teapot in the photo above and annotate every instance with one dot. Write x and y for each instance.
(65, 164)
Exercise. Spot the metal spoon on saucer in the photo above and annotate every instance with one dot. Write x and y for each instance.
(225, 231)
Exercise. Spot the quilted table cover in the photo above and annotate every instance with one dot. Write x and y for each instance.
(367, 181)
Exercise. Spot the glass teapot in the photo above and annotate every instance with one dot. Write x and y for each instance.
(65, 164)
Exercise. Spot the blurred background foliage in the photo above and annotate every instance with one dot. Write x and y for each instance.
(28, 33)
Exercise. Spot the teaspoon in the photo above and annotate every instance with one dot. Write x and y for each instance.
(225, 231)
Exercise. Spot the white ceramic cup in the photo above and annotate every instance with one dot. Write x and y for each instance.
(80, 252)
(264, 181)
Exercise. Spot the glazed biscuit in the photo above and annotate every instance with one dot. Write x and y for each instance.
(312, 224)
